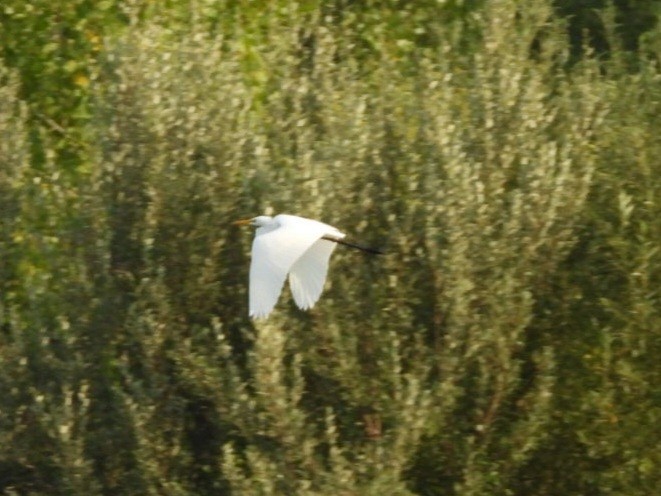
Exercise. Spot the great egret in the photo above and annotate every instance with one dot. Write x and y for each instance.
(295, 246)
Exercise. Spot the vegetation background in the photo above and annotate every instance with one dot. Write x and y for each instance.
(507, 154)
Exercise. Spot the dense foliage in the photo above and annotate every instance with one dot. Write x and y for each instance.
(504, 153)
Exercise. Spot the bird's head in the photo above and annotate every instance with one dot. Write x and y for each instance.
(259, 221)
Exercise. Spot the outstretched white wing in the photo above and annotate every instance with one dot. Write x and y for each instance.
(308, 274)
(274, 254)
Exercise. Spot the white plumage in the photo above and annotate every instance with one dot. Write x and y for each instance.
(288, 245)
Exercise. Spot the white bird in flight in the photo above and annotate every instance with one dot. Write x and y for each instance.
(295, 246)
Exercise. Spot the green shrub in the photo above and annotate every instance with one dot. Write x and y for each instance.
(505, 344)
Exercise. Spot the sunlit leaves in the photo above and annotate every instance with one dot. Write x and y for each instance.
(505, 344)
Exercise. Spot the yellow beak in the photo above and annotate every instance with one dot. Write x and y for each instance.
(243, 222)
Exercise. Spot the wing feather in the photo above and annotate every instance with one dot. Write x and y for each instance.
(308, 274)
